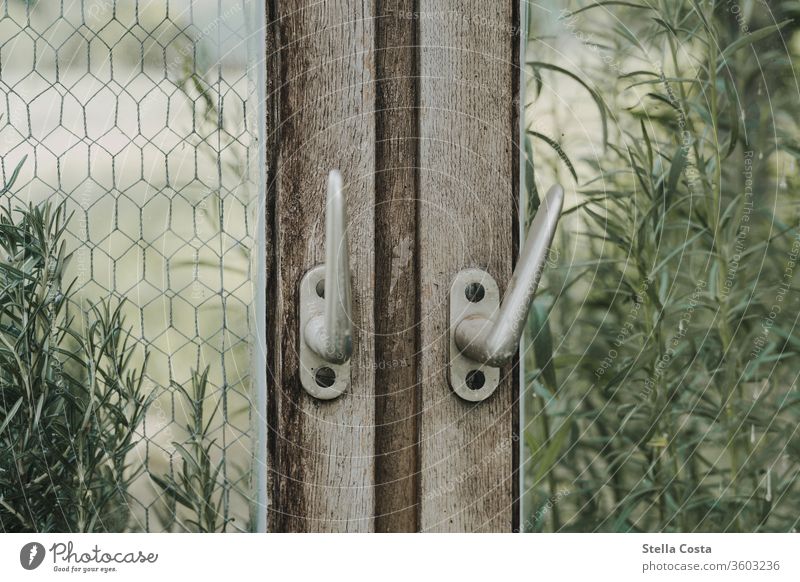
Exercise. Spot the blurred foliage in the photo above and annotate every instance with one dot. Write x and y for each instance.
(198, 486)
(661, 389)
(70, 399)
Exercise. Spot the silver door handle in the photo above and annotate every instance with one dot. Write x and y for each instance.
(326, 326)
(484, 333)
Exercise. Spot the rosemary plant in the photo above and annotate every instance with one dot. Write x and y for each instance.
(198, 486)
(70, 400)
(663, 385)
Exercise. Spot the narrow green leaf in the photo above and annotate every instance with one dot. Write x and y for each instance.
(610, 3)
(601, 107)
(172, 490)
(543, 346)
(750, 38)
(675, 172)
(14, 175)
(10, 416)
(530, 178)
(557, 148)
(545, 462)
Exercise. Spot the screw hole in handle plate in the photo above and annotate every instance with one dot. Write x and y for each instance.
(475, 292)
(325, 377)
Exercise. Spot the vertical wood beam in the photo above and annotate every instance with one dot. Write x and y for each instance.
(468, 192)
(322, 75)
(396, 297)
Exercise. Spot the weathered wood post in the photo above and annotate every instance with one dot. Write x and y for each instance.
(416, 104)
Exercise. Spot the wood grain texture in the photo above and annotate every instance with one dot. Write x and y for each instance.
(320, 453)
(467, 218)
(396, 297)
(416, 104)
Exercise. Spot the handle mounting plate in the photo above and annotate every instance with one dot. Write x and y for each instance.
(473, 293)
(321, 379)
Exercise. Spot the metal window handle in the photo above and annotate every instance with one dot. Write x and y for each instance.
(326, 326)
(484, 333)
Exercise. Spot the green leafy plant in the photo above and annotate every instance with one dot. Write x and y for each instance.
(198, 485)
(662, 388)
(70, 400)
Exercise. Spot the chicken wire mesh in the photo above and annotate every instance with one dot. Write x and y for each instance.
(142, 115)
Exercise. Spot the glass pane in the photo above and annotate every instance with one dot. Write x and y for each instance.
(143, 115)
(659, 360)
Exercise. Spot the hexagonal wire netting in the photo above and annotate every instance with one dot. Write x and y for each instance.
(142, 114)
